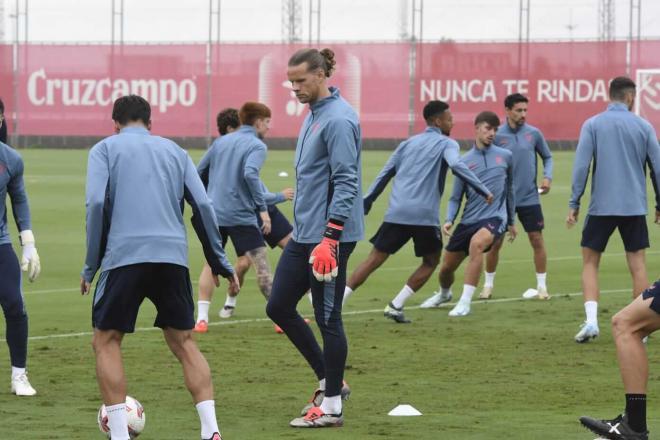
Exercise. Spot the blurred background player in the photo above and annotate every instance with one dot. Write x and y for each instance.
(227, 122)
(3, 123)
(11, 296)
(419, 168)
(482, 223)
(525, 142)
(630, 326)
(621, 143)
(230, 171)
(137, 238)
(327, 209)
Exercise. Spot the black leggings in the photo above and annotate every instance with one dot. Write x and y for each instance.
(11, 301)
(293, 277)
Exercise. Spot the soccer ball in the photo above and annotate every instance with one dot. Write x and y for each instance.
(135, 414)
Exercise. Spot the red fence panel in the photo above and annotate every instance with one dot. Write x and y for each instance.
(6, 79)
(565, 82)
(69, 89)
(372, 77)
(66, 90)
(646, 60)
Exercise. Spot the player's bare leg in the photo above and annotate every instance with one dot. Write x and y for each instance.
(540, 262)
(424, 271)
(241, 267)
(629, 326)
(197, 376)
(450, 262)
(111, 379)
(109, 367)
(259, 260)
(478, 244)
(637, 266)
(394, 310)
(492, 259)
(205, 290)
(591, 294)
(374, 260)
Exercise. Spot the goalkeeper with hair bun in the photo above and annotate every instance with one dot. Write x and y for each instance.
(328, 221)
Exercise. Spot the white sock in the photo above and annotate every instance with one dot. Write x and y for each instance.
(490, 279)
(118, 421)
(347, 292)
(591, 309)
(540, 280)
(322, 384)
(331, 405)
(15, 372)
(401, 298)
(468, 291)
(203, 310)
(206, 411)
(231, 302)
(445, 292)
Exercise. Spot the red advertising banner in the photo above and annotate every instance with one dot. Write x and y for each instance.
(646, 59)
(69, 89)
(372, 77)
(565, 82)
(6, 78)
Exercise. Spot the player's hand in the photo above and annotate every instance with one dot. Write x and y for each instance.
(572, 218)
(446, 229)
(234, 284)
(288, 193)
(657, 217)
(513, 233)
(545, 186)
(324, 256)
(489, 199)
(265, 222)
(30, 262)
(84, 286)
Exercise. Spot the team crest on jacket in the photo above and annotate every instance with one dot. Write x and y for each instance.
(315, 127)
(503, 141)
(3, 168)
(499, 160)
(529, 137)
(472, 166)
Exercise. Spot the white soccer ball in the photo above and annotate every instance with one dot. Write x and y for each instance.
(134, 413)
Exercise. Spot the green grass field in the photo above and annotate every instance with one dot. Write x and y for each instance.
(510, 370)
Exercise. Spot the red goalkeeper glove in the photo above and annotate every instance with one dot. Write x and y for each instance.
(324, 256)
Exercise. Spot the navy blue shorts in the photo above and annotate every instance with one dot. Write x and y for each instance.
(598, 229)
(120, 292)
(653, 292)
(391, 237)
(460, 239)
(531, 217)
(279, 226)
(244, 238)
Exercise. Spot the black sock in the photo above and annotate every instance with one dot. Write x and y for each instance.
(636, 411)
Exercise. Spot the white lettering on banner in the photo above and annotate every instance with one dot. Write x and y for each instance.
(32, 87)
(571, 90)
(547, 90)
(474, 90)
(161, 93)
